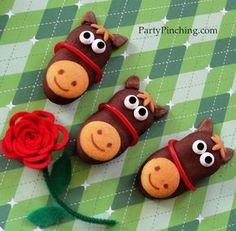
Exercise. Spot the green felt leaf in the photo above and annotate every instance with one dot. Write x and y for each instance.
(61, 174)
(46, 216)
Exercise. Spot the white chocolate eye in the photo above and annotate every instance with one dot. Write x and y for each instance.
(86, 37)
(140, 113)
(131, 102)
(207, 159)
(199, 147)
(98, 46)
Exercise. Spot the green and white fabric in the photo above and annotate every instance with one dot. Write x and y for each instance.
(194, 75)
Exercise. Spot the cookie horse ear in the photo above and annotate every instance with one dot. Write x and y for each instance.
(132, 82)
(118, 40)
(89, 18)
(206, 126)
(229, 153)
(160, 112)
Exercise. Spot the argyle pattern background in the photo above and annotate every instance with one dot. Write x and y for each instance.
(194, 75)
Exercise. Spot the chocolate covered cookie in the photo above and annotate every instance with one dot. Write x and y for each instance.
(179, 166)
(118, 123)
(78, 62)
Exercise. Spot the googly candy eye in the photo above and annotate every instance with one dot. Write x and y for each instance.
(86, 37)
(199, 147)
(141, 113)
(98, 46)
(207, 159)
(131, 102)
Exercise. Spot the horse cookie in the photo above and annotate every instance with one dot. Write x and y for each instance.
(179, 166)
(118, 123)
(78, 62)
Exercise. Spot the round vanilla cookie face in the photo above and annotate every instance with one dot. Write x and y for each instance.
(160, 177)
(100, 140)
(67, 79)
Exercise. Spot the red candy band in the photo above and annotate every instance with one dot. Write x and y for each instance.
(80, 54)
(123, 119)
(182, 173)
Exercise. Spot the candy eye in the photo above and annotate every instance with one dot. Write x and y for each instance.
(207, 159)
(199, 147)
(98, 46)
(141, 113)
(86, 37)
(131, 102)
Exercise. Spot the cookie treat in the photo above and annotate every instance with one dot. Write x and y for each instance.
(179, 166)
(118, 123)
(78, 62)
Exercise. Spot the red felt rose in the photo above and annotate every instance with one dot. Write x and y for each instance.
(32, 137)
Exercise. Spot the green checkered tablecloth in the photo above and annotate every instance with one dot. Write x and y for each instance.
(194, 75)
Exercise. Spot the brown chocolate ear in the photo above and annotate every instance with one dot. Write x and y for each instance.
(132, 82)
(160, 112)
(118, 40)
(229, 153)
(89, 18)
(206, 126)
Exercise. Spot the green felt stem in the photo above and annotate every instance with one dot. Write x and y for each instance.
(72, 212)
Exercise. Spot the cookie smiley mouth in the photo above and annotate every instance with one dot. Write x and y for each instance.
(95, 145)
(150, 181)
(63, 89)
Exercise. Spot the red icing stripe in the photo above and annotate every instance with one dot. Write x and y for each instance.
(123, 119)
(80, 54)
(182, 173)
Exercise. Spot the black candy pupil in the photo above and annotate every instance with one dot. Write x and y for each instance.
(86, 35)
(132, 100)
(142, 111)
(100, 45)
(200, 146)
(208, 159)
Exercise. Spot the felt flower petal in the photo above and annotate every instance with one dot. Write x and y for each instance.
(21, 150)
(38, 158)
(45, 115)
(16, 117)
(38, 165)
(7, 145)
(65, 138)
